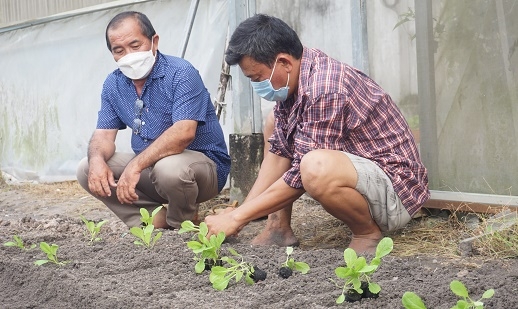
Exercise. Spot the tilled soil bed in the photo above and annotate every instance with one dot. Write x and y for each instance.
(115, 273)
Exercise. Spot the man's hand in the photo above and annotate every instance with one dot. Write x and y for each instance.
(223, 222)
(127, 183)
(100, 178)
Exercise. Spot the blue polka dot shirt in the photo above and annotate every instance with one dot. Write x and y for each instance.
(173, 91)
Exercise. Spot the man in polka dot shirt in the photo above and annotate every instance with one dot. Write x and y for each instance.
(180, 157)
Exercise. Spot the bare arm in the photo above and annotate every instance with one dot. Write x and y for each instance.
(100, 149)
(269, 194)
(173, 141)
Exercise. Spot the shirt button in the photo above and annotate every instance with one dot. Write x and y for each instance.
(145, 140)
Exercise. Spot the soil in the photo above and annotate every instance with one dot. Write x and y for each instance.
(115, 273)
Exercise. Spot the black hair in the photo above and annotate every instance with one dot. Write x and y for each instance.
(262, 38)
(145, 24)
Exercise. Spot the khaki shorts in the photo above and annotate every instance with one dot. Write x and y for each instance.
(384, 204)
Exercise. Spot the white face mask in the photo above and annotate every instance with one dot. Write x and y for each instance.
(137, 65)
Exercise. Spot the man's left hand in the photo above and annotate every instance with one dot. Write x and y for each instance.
(126, 185)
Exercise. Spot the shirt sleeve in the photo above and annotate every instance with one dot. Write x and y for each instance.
(189, 96)
(107, 116)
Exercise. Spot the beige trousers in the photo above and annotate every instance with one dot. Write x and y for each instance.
(178, 181)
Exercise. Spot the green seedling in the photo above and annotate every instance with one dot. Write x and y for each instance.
(93, 229)
(52, 254)
(207, 250)
(357, 273)
(146, 234)
(18, 242)
(221, 276)
(459, 289)
(147, 219)
(290, 265)
(411, 300)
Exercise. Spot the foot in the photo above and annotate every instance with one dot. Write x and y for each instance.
(365, 244)
(276, 237)
(159, 220)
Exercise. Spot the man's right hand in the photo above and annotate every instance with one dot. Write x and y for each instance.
(100, 178)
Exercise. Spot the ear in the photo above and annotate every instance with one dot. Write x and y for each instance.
(286, 61)
(155, 39)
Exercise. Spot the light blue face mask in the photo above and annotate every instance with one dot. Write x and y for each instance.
(265, 88)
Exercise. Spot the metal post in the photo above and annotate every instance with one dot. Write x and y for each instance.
(425, 47)
(188, 26)
(246, 106)
(246, 144)
(360, 44)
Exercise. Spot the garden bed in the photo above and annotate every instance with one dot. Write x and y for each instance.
(115, 273)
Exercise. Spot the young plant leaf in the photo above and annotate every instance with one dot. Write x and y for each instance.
(340, 299)
(384, 247)
(488, 294)
(350, 256)
(411, 300)
(302, 267)
(458, 288)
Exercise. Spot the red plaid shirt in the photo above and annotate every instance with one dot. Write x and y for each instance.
(338, 107)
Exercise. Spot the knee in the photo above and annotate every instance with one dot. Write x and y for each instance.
(82, 173)
(313, 167)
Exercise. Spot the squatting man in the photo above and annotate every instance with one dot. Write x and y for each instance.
(179, 153)
(334, 134)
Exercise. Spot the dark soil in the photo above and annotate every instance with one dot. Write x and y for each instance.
(115, 273)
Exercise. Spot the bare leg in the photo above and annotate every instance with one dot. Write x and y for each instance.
(278, 230)
(330, 178)
(278, 227)
(159, 221)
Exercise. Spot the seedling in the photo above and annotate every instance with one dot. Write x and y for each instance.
(18, 242)
(411, 300)
(290, 265)
(52, 254)
(357, 270)
(93, 229)
(207, 250)
(146, 234)
(145, 218)
(459, 289)
(221, 276)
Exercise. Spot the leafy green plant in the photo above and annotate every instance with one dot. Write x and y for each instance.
(147, 219)
(290, 265)
(411, 300)
(146, 234)
(357, 270)
(207, 250)
(93, 229)
(221, 276)
(459, 289)
(52, 254)
(18, 242)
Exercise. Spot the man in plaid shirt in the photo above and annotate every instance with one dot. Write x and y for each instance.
(335, 135)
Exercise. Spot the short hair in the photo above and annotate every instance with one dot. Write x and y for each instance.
(262, 38)
(144, 23)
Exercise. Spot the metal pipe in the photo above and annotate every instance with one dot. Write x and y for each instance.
(360, 44)
(425, 48)
(69, 14)
(188, 26)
